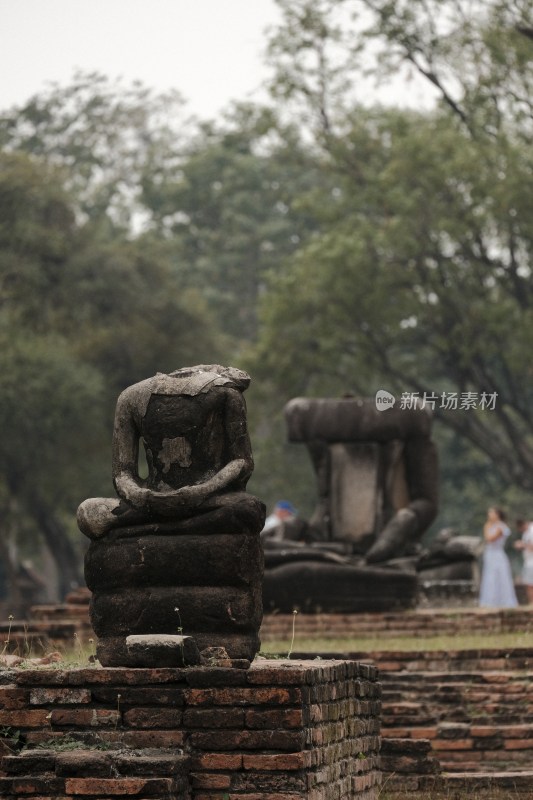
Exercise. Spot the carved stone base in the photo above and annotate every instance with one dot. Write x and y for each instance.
(204, 586)
(311, 586)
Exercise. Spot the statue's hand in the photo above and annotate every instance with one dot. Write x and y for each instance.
(391, 541)
(130, 491)
(177, 501)
(168, 503)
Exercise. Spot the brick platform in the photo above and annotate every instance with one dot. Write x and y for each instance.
(455, 719)
(476, 711)
(421, 622)
(280, 730)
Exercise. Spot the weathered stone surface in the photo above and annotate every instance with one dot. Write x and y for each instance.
(84, 764)
(153, 610)
(29, 762)
(310, 586)
(162, 650)
(351, 419)
(112, 651)
(212, 559)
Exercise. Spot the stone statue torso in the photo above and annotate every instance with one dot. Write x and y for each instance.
(184, 438)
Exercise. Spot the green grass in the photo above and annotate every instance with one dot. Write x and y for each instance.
(372, 644)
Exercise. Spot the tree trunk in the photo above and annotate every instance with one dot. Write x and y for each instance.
(13, 595)
(68, 559)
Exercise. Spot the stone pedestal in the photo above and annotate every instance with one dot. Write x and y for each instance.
(206, 585)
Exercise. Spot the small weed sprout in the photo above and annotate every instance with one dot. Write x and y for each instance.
(78, 646)
(6, 641)
(180, 626)
(294, 614)
(180, 633)
(12, 738)
(390, 776)
(26, 648)
(119, 696)
(92, 654)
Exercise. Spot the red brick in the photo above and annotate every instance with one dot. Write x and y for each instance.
(218, 718)
(423, 733)
(274, 718)
(45, 696)
(126, 676)
(139, 696)
(518, 744)
(46, 786)
(222, 761)
(452, 744)
(243, 696)
(254, 796)
(484, 731)
(13, 697)
(248, 740)
(84, 764)
(390, 666)
(152, 717)
(277, 761)
(117, 786)
(24, 718)
(42, 677)
(92, 676)
(362, 782)
(29, 762)
(281, 673)
(397, 733)
(84, 717)
(218, 676)
(206, 780)
(518, 732)
(153, 738)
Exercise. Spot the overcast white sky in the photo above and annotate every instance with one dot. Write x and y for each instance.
(210, 50)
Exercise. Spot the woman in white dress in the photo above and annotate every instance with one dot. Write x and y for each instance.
(525, 544)
(497, 588)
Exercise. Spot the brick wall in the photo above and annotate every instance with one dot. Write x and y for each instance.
(278, 731)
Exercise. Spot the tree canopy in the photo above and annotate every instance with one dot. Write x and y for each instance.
(326, 242)
(421, 279)
(84, 312)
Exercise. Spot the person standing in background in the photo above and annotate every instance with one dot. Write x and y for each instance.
(525, 544)
(497, 588)
(283, 513)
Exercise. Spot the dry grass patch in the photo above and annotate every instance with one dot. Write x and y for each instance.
(376, 644)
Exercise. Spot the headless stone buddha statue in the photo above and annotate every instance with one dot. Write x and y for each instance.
(179, 548)
(377, 485)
